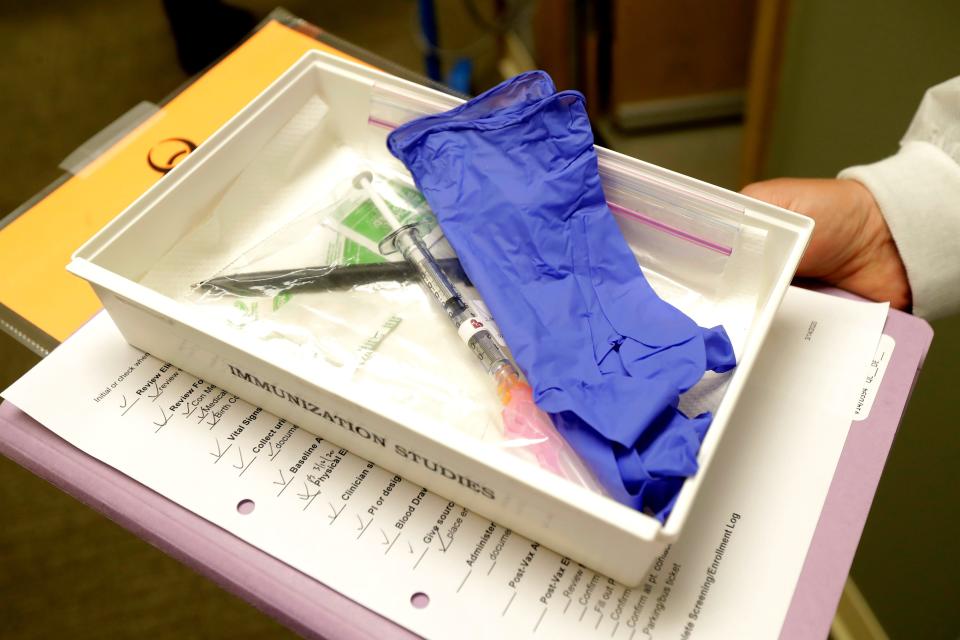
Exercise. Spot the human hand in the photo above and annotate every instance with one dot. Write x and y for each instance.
(851, 245)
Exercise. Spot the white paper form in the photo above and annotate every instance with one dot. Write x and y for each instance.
(344, 521)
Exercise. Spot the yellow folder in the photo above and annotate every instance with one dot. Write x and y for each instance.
(36, 246)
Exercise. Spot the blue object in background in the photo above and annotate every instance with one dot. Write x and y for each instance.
(512, 176)
(459, 77)
(428, 26)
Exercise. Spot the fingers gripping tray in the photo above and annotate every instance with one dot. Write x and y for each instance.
(374, 367)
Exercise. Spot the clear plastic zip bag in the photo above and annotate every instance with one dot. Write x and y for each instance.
(326, 290)
(697, 251)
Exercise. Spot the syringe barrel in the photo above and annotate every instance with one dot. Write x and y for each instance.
(411, 246)
(472, 330)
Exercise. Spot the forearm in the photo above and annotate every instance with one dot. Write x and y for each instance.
(918, 192)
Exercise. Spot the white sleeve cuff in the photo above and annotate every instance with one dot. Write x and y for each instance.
(918, 191)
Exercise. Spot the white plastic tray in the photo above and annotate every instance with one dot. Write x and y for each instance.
(734, 255)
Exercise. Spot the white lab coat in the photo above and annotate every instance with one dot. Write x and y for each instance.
(918, 191)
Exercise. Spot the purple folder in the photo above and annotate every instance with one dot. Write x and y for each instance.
(315, 611)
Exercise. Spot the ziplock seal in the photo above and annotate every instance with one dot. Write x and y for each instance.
(679, 211)
(673, 231)
(390, 107)
(631, 192)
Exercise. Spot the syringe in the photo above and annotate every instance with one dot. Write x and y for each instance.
(521, 417)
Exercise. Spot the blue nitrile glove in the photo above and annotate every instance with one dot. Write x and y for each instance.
(512, 176)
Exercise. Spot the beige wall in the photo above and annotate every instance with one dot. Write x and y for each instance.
(853, 74)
